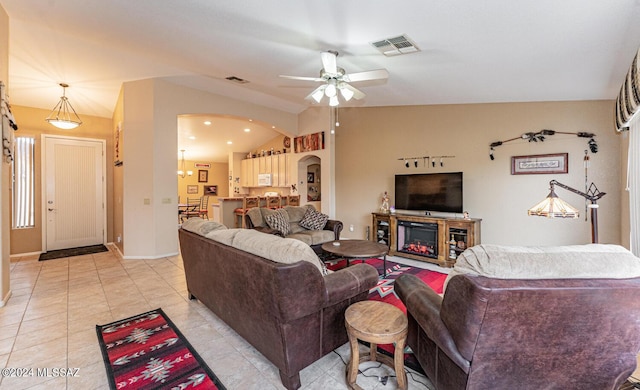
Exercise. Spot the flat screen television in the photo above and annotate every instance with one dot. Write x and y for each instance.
(429, 192)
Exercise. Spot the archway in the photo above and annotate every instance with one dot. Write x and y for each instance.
(310, 180)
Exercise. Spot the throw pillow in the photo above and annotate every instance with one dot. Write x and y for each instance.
(314, 220)
(279, 220)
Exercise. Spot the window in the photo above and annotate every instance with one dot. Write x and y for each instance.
(23, 184)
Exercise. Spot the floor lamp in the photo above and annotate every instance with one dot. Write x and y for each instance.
(554, 207)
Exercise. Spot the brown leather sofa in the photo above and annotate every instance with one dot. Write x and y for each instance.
(291, 313)
(489, 333)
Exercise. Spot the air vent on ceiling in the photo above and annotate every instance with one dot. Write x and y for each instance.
(236, 80)
(395, 46)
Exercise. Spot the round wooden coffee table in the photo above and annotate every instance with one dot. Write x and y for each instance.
(378, 323)
(357, 249)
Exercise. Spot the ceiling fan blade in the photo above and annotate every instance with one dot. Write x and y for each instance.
(329, 62)
(355, 92)
(301, 78)
(377, 74)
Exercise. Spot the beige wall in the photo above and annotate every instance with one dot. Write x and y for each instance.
(118, 174)
(369, 142)
(151, 108)
(31, 123)
(218, 175)
(5, 194)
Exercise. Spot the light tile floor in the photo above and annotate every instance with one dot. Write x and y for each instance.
(50, 320)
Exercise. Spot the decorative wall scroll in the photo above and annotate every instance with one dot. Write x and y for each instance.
(540, 164)
(116, 142)
(309, 142)
(541, 135)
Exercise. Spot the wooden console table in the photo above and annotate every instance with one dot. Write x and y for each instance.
(464, 232)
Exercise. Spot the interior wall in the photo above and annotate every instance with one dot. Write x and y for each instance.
(370, 141)
(217, 175)
(150, 185)
(118, 173)
(31, 123)
(315, 120)
(5, 176)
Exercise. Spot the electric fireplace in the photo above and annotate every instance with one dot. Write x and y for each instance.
(418, 238)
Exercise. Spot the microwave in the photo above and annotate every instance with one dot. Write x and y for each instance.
(264, 179)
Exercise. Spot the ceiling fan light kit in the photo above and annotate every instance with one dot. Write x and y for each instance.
(335, 81)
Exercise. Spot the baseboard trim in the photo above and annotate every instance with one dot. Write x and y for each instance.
(26, 254)
(5, 299)
(150, 257)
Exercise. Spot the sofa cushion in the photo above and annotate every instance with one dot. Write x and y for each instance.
(278, 220)
(314, 220)
(200, 226)
(303, 237)
(314, 237)
(276, 248)
(560, 262)
(296, 213)
(294, 227)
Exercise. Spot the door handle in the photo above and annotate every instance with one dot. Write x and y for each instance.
(51, 209)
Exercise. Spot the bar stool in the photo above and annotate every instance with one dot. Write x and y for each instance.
(293, 200)
(378, 323)
(273, 202)
(248, 202)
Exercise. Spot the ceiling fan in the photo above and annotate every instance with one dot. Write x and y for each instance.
(335, 80)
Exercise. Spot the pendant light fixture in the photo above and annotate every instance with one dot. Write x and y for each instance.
(182, 172)
(63, 116)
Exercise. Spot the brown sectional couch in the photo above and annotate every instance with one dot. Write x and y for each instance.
(289, 311)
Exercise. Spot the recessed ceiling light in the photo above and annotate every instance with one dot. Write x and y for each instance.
(229, 142)
(192, 137)
(207, 123)
(247, 130)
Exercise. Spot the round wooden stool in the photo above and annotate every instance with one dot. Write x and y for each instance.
(377, 323)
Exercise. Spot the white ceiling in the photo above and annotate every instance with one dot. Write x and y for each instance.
(470, 51)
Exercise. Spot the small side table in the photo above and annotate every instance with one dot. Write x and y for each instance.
(377, 323)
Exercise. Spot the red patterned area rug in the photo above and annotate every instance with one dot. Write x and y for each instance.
(384, 292)
(148, 351)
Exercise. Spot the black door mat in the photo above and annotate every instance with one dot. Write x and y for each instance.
(84, 250)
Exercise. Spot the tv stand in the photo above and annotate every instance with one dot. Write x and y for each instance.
(438, 240)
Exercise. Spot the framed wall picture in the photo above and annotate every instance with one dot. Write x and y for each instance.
(311, 177)
(210, 190)
(192, 189)
(309, 142)
(540, 164)
(203, 176)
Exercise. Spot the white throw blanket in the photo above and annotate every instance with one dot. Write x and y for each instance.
(560, 262)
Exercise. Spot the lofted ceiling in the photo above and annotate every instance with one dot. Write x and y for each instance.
(469, 51)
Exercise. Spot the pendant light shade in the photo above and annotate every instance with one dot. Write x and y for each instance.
(63, 116)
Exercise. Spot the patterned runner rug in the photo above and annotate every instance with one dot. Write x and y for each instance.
(148, 351)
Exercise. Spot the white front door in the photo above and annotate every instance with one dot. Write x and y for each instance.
(73, 192)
